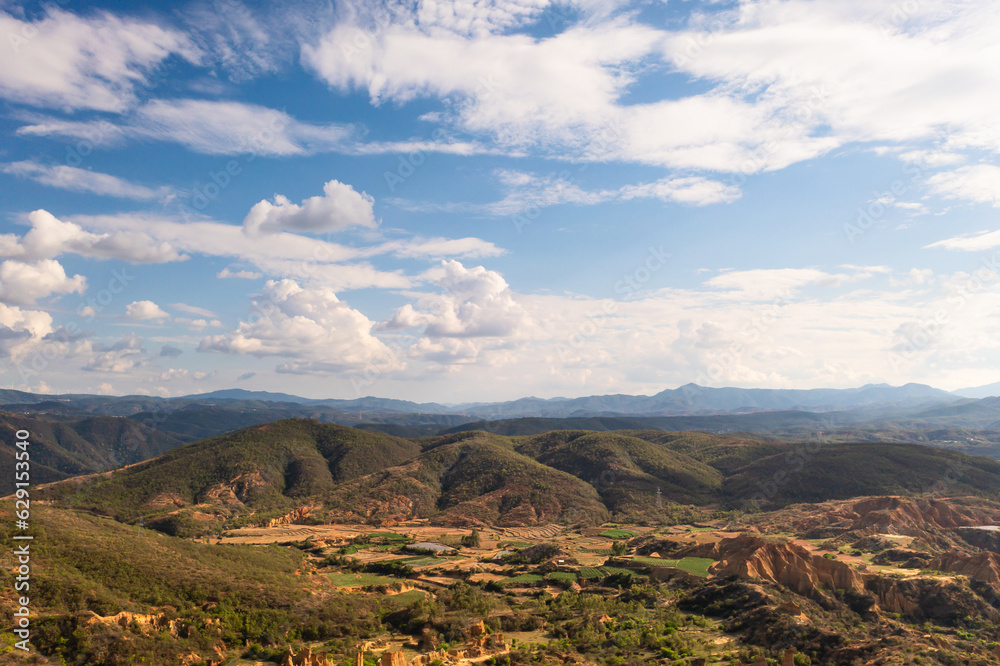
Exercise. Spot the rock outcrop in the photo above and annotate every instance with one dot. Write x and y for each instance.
(787, 564)
(304, 657)
(984, 567)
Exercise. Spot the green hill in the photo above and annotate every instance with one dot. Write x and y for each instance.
(202, 596)
(471, 478)
(334, 473)
(269, 467)
(60, 449)
(815, 473)
(626, 470)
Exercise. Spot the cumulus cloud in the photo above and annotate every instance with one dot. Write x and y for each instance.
(20, 328)
(145, 310)
(311, 327)
(475, 312)
(67, 61)
(24, 283)
(199, 324)
(339, 207)
(50, 237)
(82, 180)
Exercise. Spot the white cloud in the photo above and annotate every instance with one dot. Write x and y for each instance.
(21, 329)
(70, 62)
(975, 242)
(979, 183)
(277, 254)
(768, 283)
(312, 328)
(475, 313)
(82, 180)
(341, 206)
(243, 42)
(50, 237)
(527, 192)
(212, 127)
(199, 324)
(242, 275)
(125, 355)
(193, 309)
(692, 190)
(145, 310)
(225, 128)
(436, 248)
(24, 283)
(787, 80)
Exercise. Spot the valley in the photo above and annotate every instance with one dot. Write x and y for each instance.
(302, 542)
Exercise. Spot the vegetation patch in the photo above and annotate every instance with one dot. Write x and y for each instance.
(523, 579)
(695, 565)
(562, 576)
(618, 534)
(359, 579)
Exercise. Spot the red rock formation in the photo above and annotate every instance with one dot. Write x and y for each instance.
(786, 563)
(305, 657)
(984, 567)
(393, 659)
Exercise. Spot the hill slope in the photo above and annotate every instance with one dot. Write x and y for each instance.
(841, 471)
(473, 478)
(269, 467)
(60, 449)
(629, 472)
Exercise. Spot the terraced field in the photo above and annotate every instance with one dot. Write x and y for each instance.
(359, 579)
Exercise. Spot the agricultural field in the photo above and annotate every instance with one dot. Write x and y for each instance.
(359, 580)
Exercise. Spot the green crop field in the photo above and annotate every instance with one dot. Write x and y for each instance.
(566, 576)
(610, 571)
(389, 536)
(597, 551)
(405, 598)
(655, 562)
(591, 574)
(522, 580)
(359, 580)
(696, 565)
(617, 534)
(693, 565)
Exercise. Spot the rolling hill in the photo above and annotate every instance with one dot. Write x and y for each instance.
(61, 449)
(626, 470)
(269, 467)
(305, 471)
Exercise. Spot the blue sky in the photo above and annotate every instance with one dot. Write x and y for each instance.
(486, 200)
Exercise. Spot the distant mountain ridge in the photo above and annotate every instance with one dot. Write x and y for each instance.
(687, 399)
(690, 399)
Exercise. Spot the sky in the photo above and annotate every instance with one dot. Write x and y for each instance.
(485, 200)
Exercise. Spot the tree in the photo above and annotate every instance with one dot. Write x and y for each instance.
(619, 548)
(471, 540)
